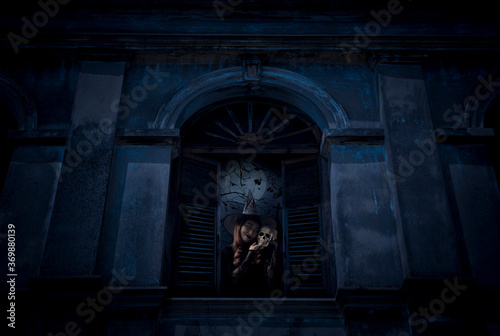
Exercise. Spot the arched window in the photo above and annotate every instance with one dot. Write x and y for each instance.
(265, 146)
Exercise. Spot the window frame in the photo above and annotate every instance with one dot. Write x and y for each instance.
(285, 155)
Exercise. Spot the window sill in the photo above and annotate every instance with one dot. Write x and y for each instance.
(317, 308)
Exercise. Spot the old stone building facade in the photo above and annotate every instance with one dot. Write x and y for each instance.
(367, 130)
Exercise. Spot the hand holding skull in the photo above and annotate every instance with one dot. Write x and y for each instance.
(265, 236)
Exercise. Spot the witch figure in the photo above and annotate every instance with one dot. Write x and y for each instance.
(249, 265)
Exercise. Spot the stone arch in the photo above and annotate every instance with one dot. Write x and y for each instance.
(19, 102)
(485, 99)
(273, 83)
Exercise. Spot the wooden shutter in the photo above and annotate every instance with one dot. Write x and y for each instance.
(196, 254)
(303, 228)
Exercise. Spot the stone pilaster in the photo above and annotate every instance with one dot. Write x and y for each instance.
(79, 205)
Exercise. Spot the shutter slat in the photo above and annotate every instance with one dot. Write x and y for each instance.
(195, 250)
(196, 235)
(199, 215)
(303, 242)
(197, 241)
(197, 268)
(197, 209)
(198, 225)
(311, 238)
(309, 245)
(196, 258)
(302, 223)
(301, 254)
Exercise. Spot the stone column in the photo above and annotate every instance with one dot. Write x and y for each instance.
(27, 203)
(419, 193)
(79, 205)
(134, 226)
(476, 206)
(367, 250)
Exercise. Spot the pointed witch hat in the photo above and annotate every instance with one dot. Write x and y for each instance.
(250, 211)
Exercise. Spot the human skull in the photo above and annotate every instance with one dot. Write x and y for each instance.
(265, 236)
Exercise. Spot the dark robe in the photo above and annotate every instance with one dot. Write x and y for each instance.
(251, 280)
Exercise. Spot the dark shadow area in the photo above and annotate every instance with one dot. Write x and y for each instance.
(7, 123)
(492, 120)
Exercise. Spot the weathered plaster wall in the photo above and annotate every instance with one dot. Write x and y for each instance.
(52, 83)
(474, 201)
(28, 203)
(419, 194)
(134, 223)
(368, 254)
(75, 224)
(457, 88)
(151, 80)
